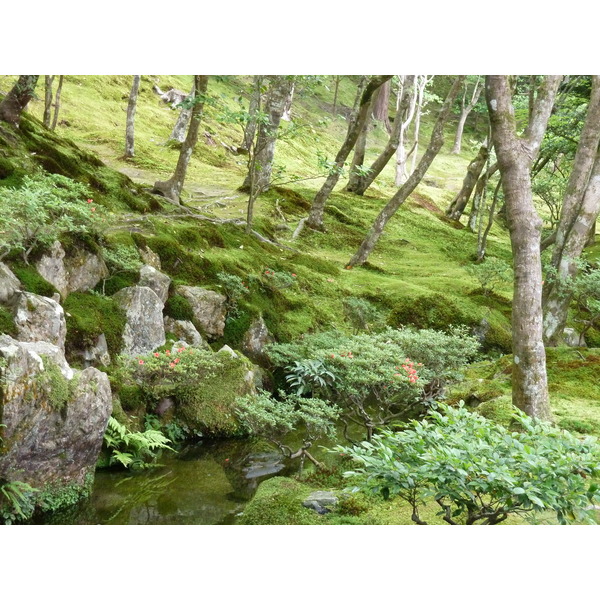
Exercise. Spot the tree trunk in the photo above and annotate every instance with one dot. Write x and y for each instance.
(436, 143)
(401, 155)
(250, 129)
(458, 205)
(464, 113)
(172, 188)
(354, 178)
(335, 94)
(515, 157)
(57, 102)
(421, 95)
(48, 101)
(16, 100)
(131, 107)
(393, 144)
(478, 195)
(315, 217)
(578, 215)
(381, 100)
(183, 120)
(287, 111)
(264, 149)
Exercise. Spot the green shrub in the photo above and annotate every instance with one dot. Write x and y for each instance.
(363, 315)
(7, 322)
(480, 472)
(490, 273)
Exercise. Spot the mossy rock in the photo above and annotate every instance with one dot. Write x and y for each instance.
(179, 308)
(434, 311)
(32, 281)
(278, 501)
(89, 315)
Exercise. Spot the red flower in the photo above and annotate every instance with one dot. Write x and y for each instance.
(168, 352)
(93, 209)
(157, 354)
(293, 274)
(171, 365)
(141, 362)
(176, 361)
(89, 200)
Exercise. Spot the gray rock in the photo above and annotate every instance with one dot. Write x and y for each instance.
(46, 444)
(80, 271)
(39, 319)
(573, 338)
(259, 465)
(185, 331)
(150, 257)
(255, 340)
(96, 353)
(208, 307)
(320, 501)
(9, 284)
(155, 280)
(144, 330)
(227, 350)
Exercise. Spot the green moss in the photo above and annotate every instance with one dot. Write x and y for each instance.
(236, 327)
(117, 282)
(179, 308)
(89, 315)
(58, 497)
(278, 501)
(131, 397)
(32, 281)
(7, 323)
(53, 387)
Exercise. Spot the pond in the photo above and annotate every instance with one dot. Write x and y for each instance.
(207, 483)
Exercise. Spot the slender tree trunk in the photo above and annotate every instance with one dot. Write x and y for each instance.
(483, 233)
(173, 186)
(381, 100)
(421, 95)
(131, 107)
(250, 129)
(464, 113)
(48, 79)
(16, 100)
(579, 212)
(406, 94)
(478, 195)
(183, 120)
(401, 154)
(558, 300)
(315, 217)
(458, 205)
(57, 102)
(335, 94)
(287, 111)
(515, 157)
(354, 178)
(436, 143)
(264, 150)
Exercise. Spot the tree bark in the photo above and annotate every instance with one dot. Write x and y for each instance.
(394, 141)
(315, 217)
(16, 100)
(48, 79)
(579, 212)
(183, 120)
(435, 144)
(478, 195)
(421, 96)
(401, 155)
(264, 149)
(287, 111)
(172, 187)
(131, 107)
(57, 102)
(515, 157)
(335, 94)
(464, 113)
(250, 129)
(458, 205)
(381, 100)
(354, 178)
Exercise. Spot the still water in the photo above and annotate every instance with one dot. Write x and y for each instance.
(207, 483)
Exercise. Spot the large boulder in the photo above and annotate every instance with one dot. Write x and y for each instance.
(9, 284)
(54, 417)
(185, 332)
(94, 354)
(573, 338)
(38, 318)
(144, 330)
(79, 271)
(209, 309)
(255, 340)
(155, 280)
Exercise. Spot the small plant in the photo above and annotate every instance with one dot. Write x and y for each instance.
(234, 288)
(273, 419)
(280, 279)
(41, 210)
(133, 450)
(307, 376)
(478, 472)
(490, 273)
(362, 315)
(121, 259)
